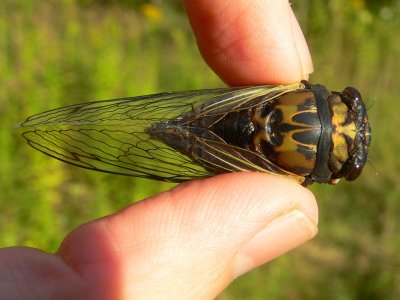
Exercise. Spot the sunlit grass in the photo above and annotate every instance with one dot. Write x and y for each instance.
(56, 53)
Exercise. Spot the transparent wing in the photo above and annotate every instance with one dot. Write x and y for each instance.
(112, 136)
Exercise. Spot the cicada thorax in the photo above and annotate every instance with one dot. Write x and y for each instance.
(314, 133)
(288, 130)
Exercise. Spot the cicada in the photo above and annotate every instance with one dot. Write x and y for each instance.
(299, 130)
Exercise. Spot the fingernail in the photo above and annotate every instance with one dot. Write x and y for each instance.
(302, 48)
(281, 235)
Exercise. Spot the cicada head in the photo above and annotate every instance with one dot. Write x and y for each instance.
(350, 134)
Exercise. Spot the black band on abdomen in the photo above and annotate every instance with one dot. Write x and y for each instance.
(321, 172)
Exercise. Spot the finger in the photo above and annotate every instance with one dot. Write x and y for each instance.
(248, 43)
(192, 241)
(27, 273)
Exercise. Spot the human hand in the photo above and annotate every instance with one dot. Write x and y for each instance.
(192, 241)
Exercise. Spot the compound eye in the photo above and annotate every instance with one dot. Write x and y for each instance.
(353, 172)
(351, 96)
(352, 93)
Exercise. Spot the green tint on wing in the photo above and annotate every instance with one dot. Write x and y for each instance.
(111, 136)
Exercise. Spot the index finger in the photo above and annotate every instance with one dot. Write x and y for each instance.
(250, 43)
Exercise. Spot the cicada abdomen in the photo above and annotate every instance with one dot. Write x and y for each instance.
(300, 130)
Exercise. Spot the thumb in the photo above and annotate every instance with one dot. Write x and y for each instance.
(192, 241)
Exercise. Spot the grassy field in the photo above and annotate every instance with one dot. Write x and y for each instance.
(55, 53)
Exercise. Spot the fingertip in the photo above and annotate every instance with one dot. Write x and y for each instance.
(250, 44)
(288, 217)
(267, 215)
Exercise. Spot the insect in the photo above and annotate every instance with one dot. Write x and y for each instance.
(299, 130)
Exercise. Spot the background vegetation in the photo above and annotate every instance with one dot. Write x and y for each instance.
(54, 53)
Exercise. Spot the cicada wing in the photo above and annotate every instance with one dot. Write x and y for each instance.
(234, 99)
(125, 151)
(222, 158)
(112, 136)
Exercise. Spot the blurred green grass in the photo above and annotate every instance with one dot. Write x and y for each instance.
(55, 53)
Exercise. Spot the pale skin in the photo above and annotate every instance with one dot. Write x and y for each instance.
(192, 241)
